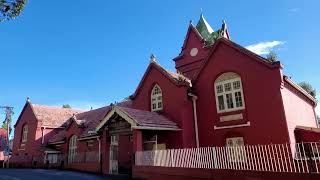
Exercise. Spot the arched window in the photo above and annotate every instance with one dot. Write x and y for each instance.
(72, 149)
(228, 92)
(156, 99)
(25, 133)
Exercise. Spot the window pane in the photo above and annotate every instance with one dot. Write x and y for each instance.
(229, 101)
(238, 99)
(236, 85)
(159, 105)
(227, 87)
(219, 89)
(221, 102)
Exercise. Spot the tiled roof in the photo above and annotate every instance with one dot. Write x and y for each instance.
(93, 117)
(88, 120)
(53, 116)
(60, 136)
(149, 119)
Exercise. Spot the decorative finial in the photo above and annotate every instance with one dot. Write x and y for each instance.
(28, 99)
(190, 22)
(153, 58)
(201, 11)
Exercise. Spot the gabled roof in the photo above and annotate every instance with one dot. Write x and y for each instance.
(192, 29)
(87, 120)
(177, 79)
(140, 119)
(52, 116)
(239, 48)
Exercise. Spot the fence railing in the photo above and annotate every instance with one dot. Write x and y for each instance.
(300, 157)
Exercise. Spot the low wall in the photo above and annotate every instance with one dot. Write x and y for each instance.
(93, 167)
(160, 173)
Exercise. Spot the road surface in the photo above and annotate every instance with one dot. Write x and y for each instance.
(43, 174)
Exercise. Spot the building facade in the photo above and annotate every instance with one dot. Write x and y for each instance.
(220, 95)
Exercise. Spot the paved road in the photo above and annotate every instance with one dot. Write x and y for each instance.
(42, 174)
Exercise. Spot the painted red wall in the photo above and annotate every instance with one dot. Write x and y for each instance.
(188, 64)
(298, 111)
(176, 106)
(263, 101)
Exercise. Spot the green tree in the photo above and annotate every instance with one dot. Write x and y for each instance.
(10, 9)
(66, 106)
(307, 87)
(272, 56)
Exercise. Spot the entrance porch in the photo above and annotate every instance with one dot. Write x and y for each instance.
(129, 130)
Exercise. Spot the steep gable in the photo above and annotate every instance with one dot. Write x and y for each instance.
(175, 78)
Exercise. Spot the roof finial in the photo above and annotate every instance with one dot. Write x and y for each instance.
(28, 99)
(153, 58)
(201, 11)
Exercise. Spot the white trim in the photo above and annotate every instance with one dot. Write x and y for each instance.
(58, 142)
(52, 152)
(88, 138)
(53, 127)
(232, 92)
(156, 128)
(156, 100)
(233, 126)
(117, 110)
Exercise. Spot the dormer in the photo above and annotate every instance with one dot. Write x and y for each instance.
(196, 46)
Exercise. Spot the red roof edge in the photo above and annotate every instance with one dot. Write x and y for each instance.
(198, 35)
(162, 71)
(300, 89)
(237, 47)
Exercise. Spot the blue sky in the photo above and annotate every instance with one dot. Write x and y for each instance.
(91, 54)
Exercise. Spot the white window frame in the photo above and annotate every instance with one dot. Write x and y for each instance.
(236, 152)
(72, 149)
(25, 133)
(156, 99)
(232, 92)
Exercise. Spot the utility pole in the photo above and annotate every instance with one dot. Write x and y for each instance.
(8, 112)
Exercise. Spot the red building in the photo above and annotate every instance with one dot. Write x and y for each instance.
(222, 94)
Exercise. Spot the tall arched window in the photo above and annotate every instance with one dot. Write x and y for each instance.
(25, 133)
(228, 92)
(72, 149)
(156, 99)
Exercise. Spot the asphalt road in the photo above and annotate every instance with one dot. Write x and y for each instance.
(43, 174)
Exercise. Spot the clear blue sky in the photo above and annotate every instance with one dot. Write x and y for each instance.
(91, 53)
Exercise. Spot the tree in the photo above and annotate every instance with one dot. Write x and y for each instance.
(10, 9)
(66, 106)
(272, 56)
(307, 87)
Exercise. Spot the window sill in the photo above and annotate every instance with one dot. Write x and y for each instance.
(231, 110)
(232, 126)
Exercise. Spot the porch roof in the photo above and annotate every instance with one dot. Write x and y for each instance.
(140, 119)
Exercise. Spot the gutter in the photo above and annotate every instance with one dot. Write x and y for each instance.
(194, 105)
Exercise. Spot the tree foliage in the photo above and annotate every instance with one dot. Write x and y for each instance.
(10, 9)
(307, 87)
(272, 56)
(66, 106)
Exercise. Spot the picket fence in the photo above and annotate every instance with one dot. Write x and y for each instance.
(295, 158)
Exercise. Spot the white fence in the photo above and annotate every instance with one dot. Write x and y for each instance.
(300, 157)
